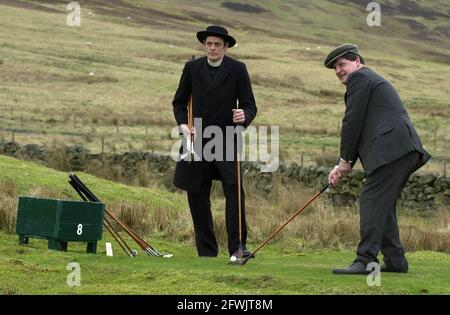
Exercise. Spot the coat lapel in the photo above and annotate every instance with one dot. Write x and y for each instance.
(204, 74)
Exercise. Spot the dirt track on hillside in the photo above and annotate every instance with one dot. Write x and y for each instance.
(30, 5)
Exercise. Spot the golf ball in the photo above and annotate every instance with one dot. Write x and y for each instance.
(233, 258)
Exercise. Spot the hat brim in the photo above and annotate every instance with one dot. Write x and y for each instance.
(201, 36)
(330, 63)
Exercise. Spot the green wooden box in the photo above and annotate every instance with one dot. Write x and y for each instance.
(60, 221)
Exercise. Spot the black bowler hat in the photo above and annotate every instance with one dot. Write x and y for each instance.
(218, 31)
(339, 52)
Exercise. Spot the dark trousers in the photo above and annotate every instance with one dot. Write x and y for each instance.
(200, 206)
(378, 218)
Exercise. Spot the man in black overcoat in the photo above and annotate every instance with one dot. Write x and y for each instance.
(377, 130)
(217, 84)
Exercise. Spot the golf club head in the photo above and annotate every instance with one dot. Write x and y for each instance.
(239, 261)
(237, 256)
(241, 257)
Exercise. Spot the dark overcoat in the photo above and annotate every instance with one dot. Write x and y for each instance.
(376, 127)
(213, 101)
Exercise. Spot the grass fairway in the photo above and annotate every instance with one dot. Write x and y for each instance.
(33, 269)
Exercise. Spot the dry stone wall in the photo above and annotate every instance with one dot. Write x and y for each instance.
(422, 190)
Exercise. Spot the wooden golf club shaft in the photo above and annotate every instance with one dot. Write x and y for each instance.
(131, 233)
(239, 200)
(130, 251)
(238, 166)
(287, 222)
(143, 244)
(116, 236)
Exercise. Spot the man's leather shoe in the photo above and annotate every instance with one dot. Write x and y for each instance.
(384, 268)
(357, 268)
(395, 264)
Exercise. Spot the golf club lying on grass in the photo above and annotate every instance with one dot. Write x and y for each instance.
(242, 261)
(88, 195)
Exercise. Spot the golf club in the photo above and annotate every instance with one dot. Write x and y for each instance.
(243, 261)
(240, 253)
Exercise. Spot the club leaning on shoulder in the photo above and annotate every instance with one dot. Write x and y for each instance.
(242, 261)
(87, 195)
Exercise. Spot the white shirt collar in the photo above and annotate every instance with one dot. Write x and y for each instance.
(215, 64)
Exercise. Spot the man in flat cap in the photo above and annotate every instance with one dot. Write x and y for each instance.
(216, 84)
(377, 130)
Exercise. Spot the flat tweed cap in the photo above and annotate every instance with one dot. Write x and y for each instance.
(338, 52)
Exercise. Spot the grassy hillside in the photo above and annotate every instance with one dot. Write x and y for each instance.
(27, 176)
(150, 212)
(136, 51)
